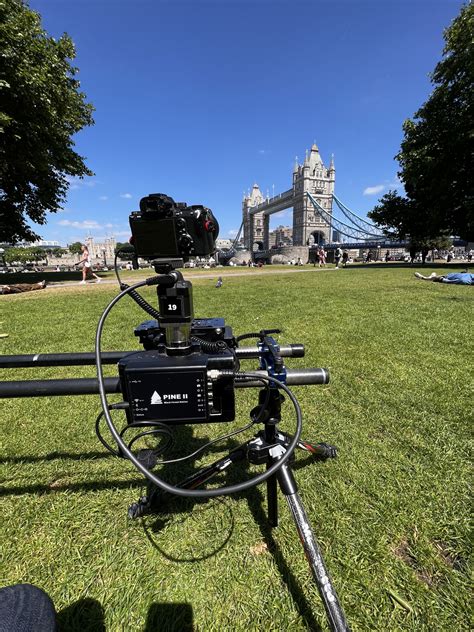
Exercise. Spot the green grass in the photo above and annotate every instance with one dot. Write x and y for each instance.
(391, 513)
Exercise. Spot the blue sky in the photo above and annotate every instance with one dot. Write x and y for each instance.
(201, 99)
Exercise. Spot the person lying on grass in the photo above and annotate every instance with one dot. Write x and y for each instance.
(458, 278)
(22, 287)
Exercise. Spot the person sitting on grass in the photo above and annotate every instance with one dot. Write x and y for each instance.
(17, 288)
(87, 267)
(458, 278)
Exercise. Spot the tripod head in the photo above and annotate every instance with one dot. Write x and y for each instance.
(175, 302)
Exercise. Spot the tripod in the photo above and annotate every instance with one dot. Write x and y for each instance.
(267, 447)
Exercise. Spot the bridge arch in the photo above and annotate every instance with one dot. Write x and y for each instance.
(317, 238)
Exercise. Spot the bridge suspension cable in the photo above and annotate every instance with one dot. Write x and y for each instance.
(355, 219)
(228, 254)
(343, 228)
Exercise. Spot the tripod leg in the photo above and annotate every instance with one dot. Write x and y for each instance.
(272, 501)
(334, 611)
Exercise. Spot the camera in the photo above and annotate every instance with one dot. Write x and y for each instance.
(177, 378)
(163, 228)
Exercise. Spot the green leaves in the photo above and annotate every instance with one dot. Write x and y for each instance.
(41, 110)
(437, 154)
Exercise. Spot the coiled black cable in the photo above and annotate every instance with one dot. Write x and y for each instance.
(210, 347)
(139, 300)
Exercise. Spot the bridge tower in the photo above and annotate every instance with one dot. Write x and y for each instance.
(309, 226)
(313, 177)
(256, 227)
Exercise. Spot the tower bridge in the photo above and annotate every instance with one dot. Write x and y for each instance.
(319, 217)
(308, 223)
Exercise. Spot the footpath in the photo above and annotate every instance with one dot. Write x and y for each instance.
(218, 272)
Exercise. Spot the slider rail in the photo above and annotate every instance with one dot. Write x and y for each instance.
(112, 357)
(90, 386)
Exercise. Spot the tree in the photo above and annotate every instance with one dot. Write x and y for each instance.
(41, 110)
(23, 255)
(125, 250)
(75, 248)
(402, 218)
(437, 153)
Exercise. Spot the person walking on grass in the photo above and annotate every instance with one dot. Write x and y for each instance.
(87, 271)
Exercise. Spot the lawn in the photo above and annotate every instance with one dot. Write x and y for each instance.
(391, 513)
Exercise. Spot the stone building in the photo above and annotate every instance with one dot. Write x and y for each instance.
(101, 253)
(281, 236)
(312, 176)
(253, 224)
(104, 250)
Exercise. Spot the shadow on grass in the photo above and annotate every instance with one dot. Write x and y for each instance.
(255, 499)
(87, 615)
(175, 617)
(57, 486)
(70, 456)
(209, 547)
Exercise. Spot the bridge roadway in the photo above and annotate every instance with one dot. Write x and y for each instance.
(275, 204)
(364, 245)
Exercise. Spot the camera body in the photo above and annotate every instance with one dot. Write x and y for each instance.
(165, 229)
(184, 387)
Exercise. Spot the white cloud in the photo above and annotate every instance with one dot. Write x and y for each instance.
(103, 197)
(395, 184)
(88, 223)
(264, 152)
(374, 190)
(77, 183)
(127, 196)
(232, 233)
(74, 182)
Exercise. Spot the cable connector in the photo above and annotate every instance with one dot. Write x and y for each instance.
(214, 374)
(156, 280)
(119, 406)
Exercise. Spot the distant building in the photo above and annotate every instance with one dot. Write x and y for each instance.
(281, 236)
(102, 250)
(46, 244)
(41, 243)
(223, 243)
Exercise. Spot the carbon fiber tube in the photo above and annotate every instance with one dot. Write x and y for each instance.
(335, 614)
(57, 388)
(112, 357)
(294, 377)
(90, 386)
(58, 359)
